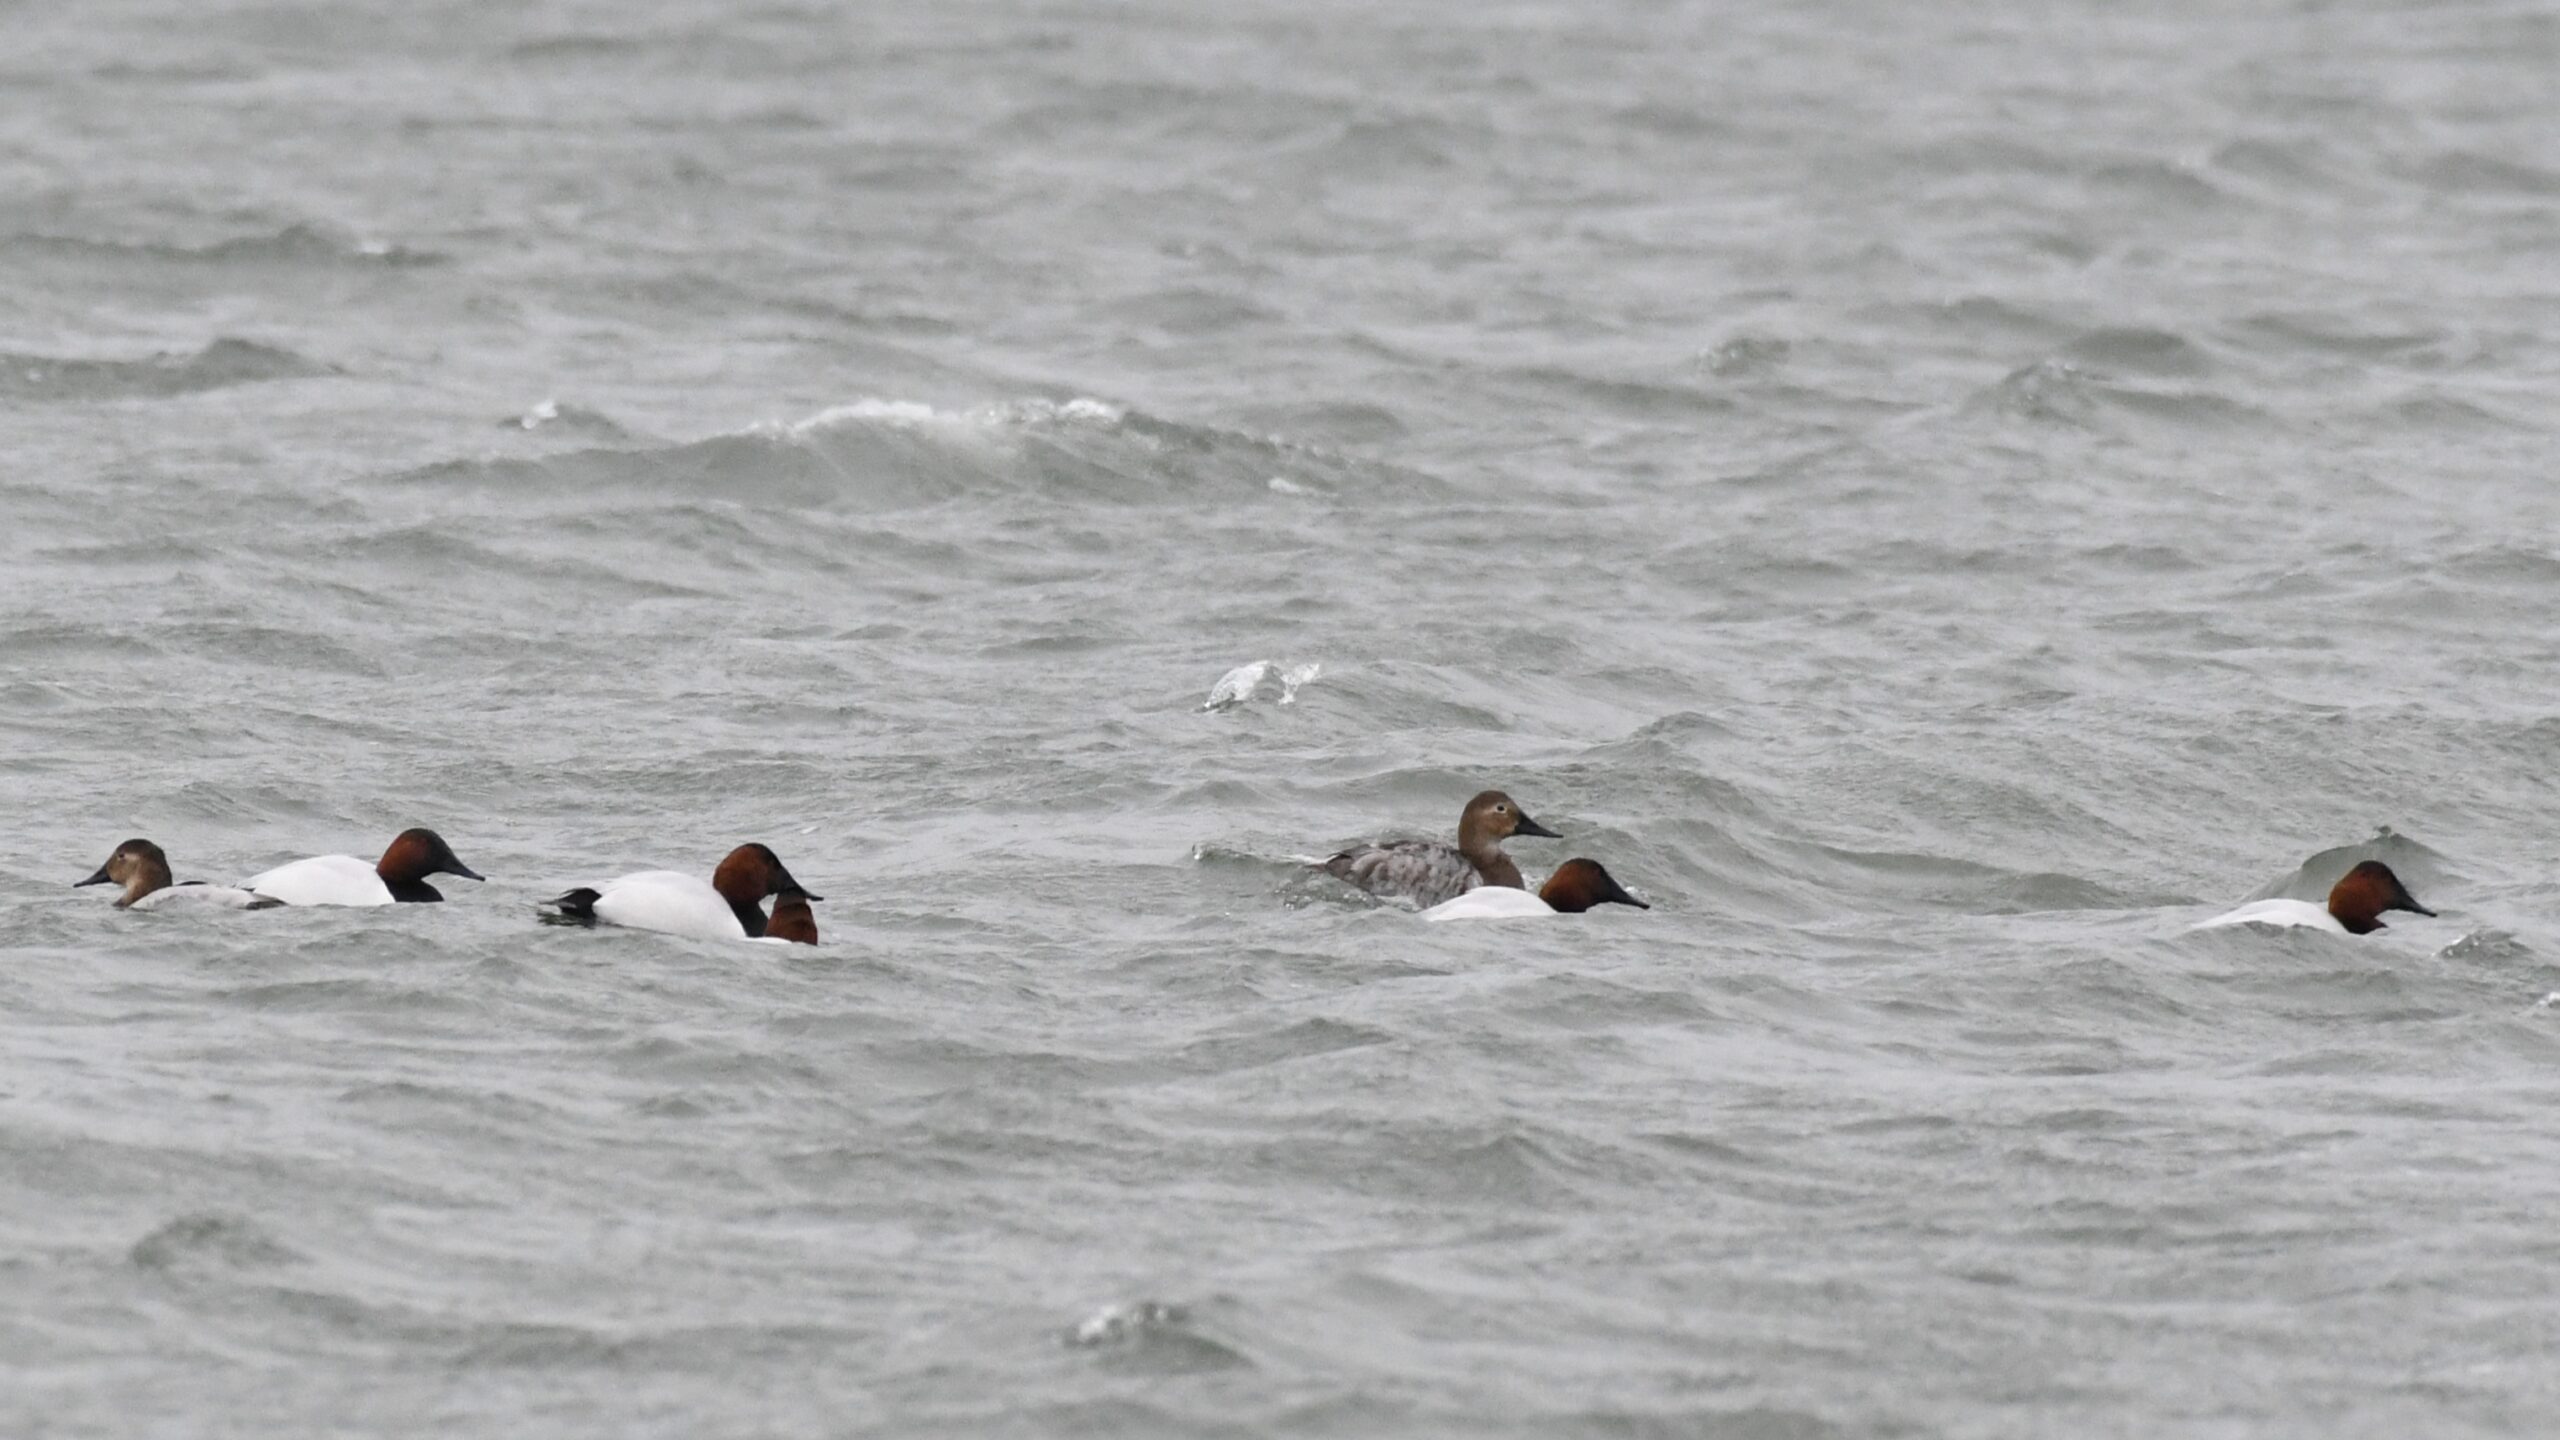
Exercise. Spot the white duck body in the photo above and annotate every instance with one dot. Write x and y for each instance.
(1428, 872)
(1490, 902)
(669, 902)
(323, 880)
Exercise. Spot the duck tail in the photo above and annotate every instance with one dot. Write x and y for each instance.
(577, 907)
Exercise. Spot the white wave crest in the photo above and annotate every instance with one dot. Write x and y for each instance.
(917, 415)
(1247, 682)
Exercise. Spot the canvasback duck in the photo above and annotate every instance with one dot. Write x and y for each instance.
(401, 875)
(792, 921)
(1576, 886)
(2355, 905)
(142, 868)
(671, 902)
(1429, 873)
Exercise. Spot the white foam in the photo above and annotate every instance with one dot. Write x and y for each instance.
(1237, 685)
(1296, 676)
(1115, 1323)
(916, 415)
(868, 411)
(1247, 682)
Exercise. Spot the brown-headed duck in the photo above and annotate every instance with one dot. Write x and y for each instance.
(1428, 872)
(2355, 905)
(730, 907)
(142, 868)
(401, 875)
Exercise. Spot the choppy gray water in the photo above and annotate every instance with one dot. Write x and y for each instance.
(1937, 501)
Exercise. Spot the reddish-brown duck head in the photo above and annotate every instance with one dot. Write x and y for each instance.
(750, 873)
(1578, 885)
(2362, 894)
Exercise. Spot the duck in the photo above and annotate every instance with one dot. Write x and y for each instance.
(729, 907)
(1430, 873)
(2355, 905)
(142, 868)
(1577, 885)
(400, 876)
(792, 922)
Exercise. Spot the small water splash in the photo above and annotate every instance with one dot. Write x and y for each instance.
(1118, 1324)
(1743, 355)
(915, 414)
(1153, 1335)
(2048, 390)
(549, 413)
(2485, 944)
(1237, 685)
(1211, 852)
(1253, 679)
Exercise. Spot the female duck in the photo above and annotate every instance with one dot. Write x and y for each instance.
(674, 903)
(401, 875)
(1576, 886)
(2355, 905)
(1429, 873)
(143, 870)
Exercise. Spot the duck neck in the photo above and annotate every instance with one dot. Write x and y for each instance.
(1492, 864)
(750, 915)
(147, 877)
